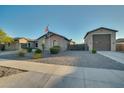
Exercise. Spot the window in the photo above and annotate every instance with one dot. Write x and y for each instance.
(28, 44)
(55, 43)
(36, 45)
(23, 45)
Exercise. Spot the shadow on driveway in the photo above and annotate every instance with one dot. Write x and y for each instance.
(82, 59)
(72, 58)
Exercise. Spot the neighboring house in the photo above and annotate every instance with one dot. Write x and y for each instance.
(102, 39)
(120, 44)
(19, 43)
(51, 39)
(72, 42)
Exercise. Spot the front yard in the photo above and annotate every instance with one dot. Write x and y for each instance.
(72, 58)
(82, 59)
(65, 70)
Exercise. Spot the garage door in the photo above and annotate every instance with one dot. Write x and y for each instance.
(102, 42)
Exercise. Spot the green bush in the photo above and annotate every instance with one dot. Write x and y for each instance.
(55, 50)
(38, 51)
(37, 55)
(29, 50)
(57, 47)
(94, 51)
(21, 53)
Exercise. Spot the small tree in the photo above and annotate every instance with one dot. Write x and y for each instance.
(4, 38)
(37, 54)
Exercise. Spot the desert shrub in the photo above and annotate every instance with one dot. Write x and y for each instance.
(37, 55)
(94, 51)
(38, 51)
(21, 53)
(23, 50)
(55, 50)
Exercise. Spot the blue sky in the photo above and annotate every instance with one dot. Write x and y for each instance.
(72, 22)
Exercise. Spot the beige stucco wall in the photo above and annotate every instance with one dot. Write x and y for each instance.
(22, 40)
(49, 42)
(40, 42)
(16, 45)
(89, 38)
(12, 46)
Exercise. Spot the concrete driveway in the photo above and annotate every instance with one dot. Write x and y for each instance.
(82, 59)
(117, 56)
(41, 75)
(71, 69)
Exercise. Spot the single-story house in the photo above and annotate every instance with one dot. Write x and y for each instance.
(120, 44)
(102, 39)
(20, 43)
(51, 39)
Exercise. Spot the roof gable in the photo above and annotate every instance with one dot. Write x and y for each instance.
(17, 38)
(99, 29)
(49, 34)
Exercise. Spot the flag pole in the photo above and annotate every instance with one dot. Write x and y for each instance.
(49, 37)
(47, 30)
(47, 34)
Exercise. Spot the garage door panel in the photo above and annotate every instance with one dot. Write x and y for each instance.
(102, 42)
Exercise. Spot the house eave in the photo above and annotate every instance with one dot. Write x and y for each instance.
(98, 29)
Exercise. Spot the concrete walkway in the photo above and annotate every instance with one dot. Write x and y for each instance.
(41, 75)
(117, 56)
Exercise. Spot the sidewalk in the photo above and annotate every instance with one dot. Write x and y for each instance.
(41, 75)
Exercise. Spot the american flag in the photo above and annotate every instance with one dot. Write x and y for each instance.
(46, 29)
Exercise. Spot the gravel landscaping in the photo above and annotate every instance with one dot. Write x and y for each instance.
(6, 71)
(82, 59)
(16, 56)
(72, 58)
